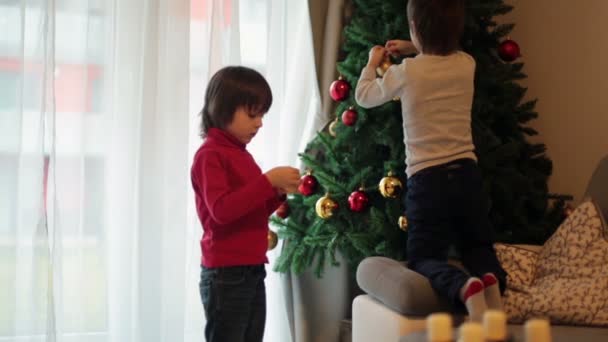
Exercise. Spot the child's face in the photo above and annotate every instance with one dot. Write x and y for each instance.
(245, 124)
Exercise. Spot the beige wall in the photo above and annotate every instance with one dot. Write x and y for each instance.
(565, 54)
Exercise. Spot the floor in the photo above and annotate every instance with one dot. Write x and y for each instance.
(346, 330)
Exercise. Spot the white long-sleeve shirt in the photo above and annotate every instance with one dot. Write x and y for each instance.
(436, 96)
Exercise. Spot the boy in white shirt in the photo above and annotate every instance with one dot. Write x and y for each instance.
(445, 202)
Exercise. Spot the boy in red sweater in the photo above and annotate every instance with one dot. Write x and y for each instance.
(233, 201)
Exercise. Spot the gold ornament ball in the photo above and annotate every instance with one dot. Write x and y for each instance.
(273, 240)
(384, 65)
(390, 186)
(403, 223)
(332, 128)
(325, 207)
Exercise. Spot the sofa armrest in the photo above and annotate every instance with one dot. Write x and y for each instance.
(374, 321)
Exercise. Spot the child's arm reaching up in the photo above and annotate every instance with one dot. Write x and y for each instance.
(372, 91)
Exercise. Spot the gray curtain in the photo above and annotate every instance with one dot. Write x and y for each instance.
(327, 20)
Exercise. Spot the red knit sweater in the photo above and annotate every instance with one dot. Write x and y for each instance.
(233, 202)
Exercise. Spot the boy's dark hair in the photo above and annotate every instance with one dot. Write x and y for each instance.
(230, 88)
(438, 24)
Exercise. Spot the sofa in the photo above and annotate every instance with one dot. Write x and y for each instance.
(397, 300)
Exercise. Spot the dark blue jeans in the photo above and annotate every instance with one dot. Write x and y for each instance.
(234, 299)
(446, 206)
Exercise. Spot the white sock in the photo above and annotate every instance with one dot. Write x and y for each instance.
(492, 292)
(472, 295)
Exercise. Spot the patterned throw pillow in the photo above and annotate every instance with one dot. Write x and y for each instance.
(519, 263)
(570, 284)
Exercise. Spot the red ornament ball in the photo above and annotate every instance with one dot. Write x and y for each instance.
(358, 200)
(349, 117)
(339, 89)
(283, 210)
(508, 50)
(308, 185)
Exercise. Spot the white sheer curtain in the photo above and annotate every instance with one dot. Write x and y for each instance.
(94, 158)
(98, 103)
(273, 37)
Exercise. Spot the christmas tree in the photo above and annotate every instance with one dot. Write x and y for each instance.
(350, 200)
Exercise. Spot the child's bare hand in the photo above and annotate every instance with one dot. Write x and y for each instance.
(398, 47)
(376, 54)
(286, 178)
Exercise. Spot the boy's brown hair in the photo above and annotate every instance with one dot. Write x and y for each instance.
(230, 88)
(438, 24)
